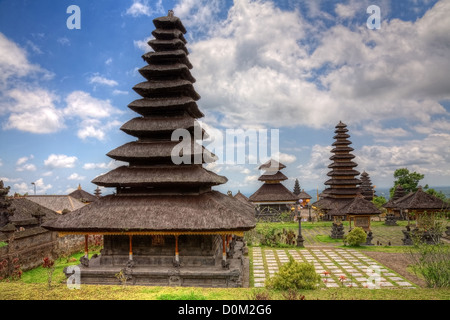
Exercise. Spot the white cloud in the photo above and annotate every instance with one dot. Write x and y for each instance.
(81, 104)
(109, 61)
(41, 187)
(97, 79)
(287, 75)
(14, 62)
(32, 110)
(22, 164)
(64, 41)
(1, 163)
(119, 92)
(143, 44)
(60, 161)
(9, 180)
(47, 173)
(103, 165)
(76, 176)
(251, 178)
(142, 8)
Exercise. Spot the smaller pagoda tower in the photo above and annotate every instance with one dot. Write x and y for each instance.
(5, 204)
(272, 194)
(366, 188)
(391, 207)
(297, 189)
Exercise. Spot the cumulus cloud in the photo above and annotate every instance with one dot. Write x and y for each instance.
(32, 110)
(76, 176)
(97, 79)
(142, 8)
(41, 187)
(22, 164)
(103, 165)
(60, 161)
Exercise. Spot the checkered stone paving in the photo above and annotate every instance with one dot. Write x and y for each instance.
(338, 268)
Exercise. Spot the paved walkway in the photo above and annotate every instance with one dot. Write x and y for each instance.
(337, 267)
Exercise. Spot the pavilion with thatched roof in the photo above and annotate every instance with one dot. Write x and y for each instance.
(82, 195)
(164, 225)
(273, 195)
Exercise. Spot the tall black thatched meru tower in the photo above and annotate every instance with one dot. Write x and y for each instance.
(164, 225)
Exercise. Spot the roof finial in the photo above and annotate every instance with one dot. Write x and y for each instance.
(79, 186)
(170, 13)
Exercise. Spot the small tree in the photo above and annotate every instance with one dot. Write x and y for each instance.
(355, 237)
(295, 275)
(408, 180)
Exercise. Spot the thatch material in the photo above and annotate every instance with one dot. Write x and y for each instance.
(239, 196)
(303, 195)
(421, 200)
(27, 212)
(154, 126)
(166, 105)
(272, 165)
(168, 34)
(278, 176)
(153, 176)
(366, 187)
(176, 56)
(210, 211)
(151, 150)
(170, 23)
(179, 87)
(174, 71)
(361, 206)
(398, 193)
(273, 193)
(167, 45)
(82, 195)
(57, 203)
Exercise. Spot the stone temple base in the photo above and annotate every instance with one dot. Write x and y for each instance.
(212, 275)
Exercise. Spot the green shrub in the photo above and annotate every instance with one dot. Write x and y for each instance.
(294, 275)
(3, 244)
(355, 237)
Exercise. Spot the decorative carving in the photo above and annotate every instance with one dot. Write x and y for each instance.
(84, 261)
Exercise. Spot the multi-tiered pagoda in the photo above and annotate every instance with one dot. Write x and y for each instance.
(164, 225)
(343, 184)
(366, 188)
(273, 194)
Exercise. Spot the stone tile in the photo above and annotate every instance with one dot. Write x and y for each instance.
(404, 284)
(329, 264)
(356, 274)
(361, 279)
(331, 285)
(257, 285)
(395, 278)
(389, 274)
(386, 284)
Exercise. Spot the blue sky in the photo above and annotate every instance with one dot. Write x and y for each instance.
(296, 66)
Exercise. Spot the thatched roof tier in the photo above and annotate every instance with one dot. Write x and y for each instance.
(150, 127)
(82, 195)
(162, 175)
(343, 173)
(26, 211)
(169, 23)
(168, 34)
(166, 106)
(168, 88)
(152, 151)
(361, 206)
(239, 196)
(57, 203)
(341, 142)
(398, 193)
(342, 135)
(345, 156)
(278, 176)
(272, 165)
(352, 182)
(342, 149)
(421, 200)
(273, 192)
(303, 195)
(211, 211)
(167, 57)
(366, 187)
(167, 45)
(347, 164)
(167, 71)
(343, 191)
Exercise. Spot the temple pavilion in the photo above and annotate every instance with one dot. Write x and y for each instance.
(390, 206)
(164, 225)
(343, 184)
(273, 194)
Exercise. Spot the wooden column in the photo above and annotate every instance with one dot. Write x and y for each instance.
(86, 246)
(177, 256)
(224, 248)
(131, 247)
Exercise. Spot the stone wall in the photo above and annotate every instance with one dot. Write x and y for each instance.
(32, 245)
